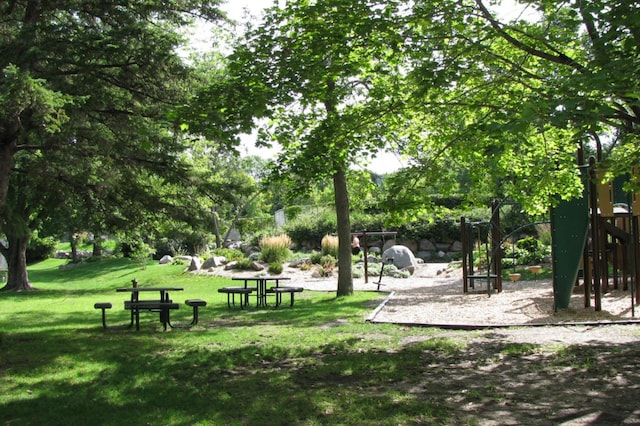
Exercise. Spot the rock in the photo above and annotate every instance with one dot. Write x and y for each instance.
(196, 263)
(374, 250)
(388, 244)
(257, 266)
(426, 245)
(299, 262)
(443, 246)
(214, 262)
(410, 244)
(456, 246)
(230, 265)
(403, 258)
(62, 254)
(424, 255)
(166, 259)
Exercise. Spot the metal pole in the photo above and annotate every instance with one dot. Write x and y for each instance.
(595, 240)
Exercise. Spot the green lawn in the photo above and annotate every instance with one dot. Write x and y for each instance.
(316, 363)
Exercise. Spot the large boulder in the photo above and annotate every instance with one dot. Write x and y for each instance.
(402, 257)
(214, 262)
(195, 265)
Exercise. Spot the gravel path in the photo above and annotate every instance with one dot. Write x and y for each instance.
(522, 312)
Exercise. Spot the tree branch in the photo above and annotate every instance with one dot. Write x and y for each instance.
(558, 58)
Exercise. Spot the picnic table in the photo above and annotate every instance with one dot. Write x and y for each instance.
(163, 306)
(262, 291)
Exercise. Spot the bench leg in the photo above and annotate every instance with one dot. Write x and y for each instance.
(195, 315)
(104, 318)
(135, 314)
(164, 318)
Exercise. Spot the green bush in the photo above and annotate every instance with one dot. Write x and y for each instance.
(275, 268)
(315, 257)
(229, 254)
(244, 264)
(327, 260)
(327, 265)
(40, 248)
(309, 228)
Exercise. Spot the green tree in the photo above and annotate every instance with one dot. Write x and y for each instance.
(86, 93)
(514, 102)
(325, 73)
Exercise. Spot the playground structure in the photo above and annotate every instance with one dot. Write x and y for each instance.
(364, 244)
(493, 253)
(597, 234)
(492, 235)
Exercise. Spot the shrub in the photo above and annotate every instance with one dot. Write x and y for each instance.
(534, 250)
(330, 245)
(306, 266)
(138, 251)
(229, 254)
(40, 248)
(327, 265)
(308, 228)
(244, 264)
(315, 258)
(275, 268)
(275, 248)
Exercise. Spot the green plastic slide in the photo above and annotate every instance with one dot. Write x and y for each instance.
(569, 228)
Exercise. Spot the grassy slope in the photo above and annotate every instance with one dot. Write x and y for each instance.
(316, 363)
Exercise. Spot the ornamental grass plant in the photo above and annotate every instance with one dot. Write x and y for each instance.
(275, 248)
(329, 246)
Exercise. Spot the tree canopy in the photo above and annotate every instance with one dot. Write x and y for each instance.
(87, 93)
(515, 101)
(324, 74)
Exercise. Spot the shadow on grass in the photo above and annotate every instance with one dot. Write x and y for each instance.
(161, 378)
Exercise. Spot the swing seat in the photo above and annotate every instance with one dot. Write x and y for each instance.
(472, 278)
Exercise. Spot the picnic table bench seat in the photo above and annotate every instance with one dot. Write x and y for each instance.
(231, 295)
(103, 306)
(161, 306)
(279, 290)
(195, 304)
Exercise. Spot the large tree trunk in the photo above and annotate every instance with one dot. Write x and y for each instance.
(345, 279)
(97, 246)
(18, 279)
(74, 247)
(6, 166)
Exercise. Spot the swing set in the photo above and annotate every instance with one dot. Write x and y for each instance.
(489, 232)
(363, 235)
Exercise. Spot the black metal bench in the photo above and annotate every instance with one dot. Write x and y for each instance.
(231, 292)
(103, 306)
(161, 306)
(279, 290)
(195, 304)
